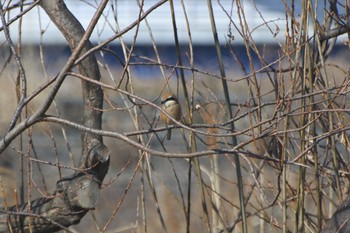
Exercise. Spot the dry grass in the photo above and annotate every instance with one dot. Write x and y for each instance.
(51, 146)
(289, 114)
(208, 91)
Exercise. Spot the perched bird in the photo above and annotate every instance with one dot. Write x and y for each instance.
(173, 108)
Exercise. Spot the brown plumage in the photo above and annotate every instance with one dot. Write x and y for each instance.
(173, 108)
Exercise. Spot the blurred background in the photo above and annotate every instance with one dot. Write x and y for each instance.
(256, 37)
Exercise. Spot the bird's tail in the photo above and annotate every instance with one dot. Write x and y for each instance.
(168, 134)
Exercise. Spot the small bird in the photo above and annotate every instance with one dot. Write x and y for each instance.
(173, 108)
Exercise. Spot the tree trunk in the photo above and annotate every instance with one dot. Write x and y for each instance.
(77, 194)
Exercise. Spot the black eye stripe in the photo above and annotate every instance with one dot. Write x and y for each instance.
(168, 98)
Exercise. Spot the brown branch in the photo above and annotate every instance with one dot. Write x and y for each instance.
(77, 194)
(19, 65)
(73, 198)
(78, 41)
(340, 221)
